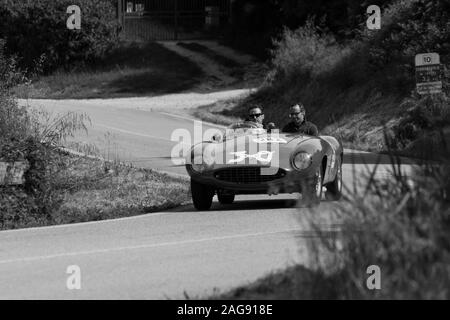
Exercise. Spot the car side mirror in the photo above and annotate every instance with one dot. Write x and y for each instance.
(217, 138)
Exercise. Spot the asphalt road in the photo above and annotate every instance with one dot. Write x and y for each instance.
(162, 255)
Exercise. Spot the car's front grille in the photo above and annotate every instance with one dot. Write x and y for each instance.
(246, 175)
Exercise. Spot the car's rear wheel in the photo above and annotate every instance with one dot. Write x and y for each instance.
(313, 192)
(225, 198)
(202, 195)
(334, 188)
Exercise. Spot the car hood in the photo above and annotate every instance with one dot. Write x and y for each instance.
(283, 140)
(271, 150)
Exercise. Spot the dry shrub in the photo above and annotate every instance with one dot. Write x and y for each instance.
(401, 225)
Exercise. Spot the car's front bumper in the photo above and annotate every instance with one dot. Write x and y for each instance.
(244, 181)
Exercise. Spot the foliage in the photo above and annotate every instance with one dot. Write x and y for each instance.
(401, 225)
(60, 188)
(14, 121)
(354, 89)
(423, 115)
(410, 27)
(306, 52)
(36, 32)
(84, 189)
(9, 73)
(31, 136)
(132, 69)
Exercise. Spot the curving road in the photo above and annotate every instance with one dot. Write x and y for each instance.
(163, 255)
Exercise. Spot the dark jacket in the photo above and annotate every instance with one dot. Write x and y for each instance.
(306, 127)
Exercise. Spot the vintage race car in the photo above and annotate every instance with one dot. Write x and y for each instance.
(249, 160)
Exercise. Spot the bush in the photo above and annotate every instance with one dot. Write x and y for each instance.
(36, 32)
(9, 75)
(14, 121)
(425, 113)
(353, 89)
(411, 27)
(306, 52)
(31, 136)
(400, 225)
(16, 208)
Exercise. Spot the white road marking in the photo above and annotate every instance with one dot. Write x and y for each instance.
(210, 124)
(134, 133)
(142, 135)
(144, 246)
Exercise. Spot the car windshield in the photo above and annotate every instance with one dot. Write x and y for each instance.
(244, 128)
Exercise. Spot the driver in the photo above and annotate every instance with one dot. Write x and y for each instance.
(255, 116)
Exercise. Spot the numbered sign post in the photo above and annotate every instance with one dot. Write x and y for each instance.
(428, 73)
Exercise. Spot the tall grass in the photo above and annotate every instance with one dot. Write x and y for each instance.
(424, 129)
(28, 138)
(401, 225)
(34, 137)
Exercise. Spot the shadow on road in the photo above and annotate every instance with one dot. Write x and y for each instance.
(374, 158)
(267, 204)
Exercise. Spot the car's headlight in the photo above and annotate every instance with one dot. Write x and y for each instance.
(302, 160)
(199, 167)
(203, 162)
(197, 164)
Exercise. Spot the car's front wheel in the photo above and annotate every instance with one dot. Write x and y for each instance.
(313, 193)
(202, 195)
(334, 188)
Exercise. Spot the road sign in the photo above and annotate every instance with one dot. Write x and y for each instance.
(429, 73)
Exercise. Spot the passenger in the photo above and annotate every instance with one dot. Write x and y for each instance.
(298, 123)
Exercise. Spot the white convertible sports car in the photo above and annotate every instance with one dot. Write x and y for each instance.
(249, 160)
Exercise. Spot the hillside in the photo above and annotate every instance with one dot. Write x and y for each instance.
(356, 87)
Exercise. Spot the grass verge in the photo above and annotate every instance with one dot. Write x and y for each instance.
(294, 283)
(129, 71)
(218, 113)
(85, 189)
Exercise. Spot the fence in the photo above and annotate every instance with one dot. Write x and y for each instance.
(173, 19)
